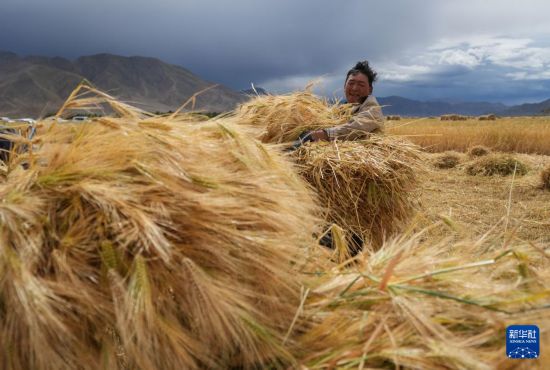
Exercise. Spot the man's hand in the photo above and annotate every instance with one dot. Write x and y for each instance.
(319, 135)
(307, 136)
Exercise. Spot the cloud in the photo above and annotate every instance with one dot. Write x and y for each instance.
(497, 51)
(480, 67)
(529, 76)
(403, 73)
(424, 48)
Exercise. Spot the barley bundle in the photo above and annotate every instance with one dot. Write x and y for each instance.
(426, 305)
(497, 164)
(449, 159)
(175, 245)
(282, 118)
(545, 178)
(365, 185)
(478, 151)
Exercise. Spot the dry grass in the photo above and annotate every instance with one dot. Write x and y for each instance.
(545, 178)
(442, 318)
(521, 135)
(478, 151)
(448, 159)
(173, 244)
(282, 118)
(476, 204)
(365, 185)
(413, 304)
(161, 242)
(497, 164)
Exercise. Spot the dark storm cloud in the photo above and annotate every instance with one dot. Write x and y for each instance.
(234, 42)
(422, 49)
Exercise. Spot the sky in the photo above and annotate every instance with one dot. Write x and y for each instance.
(452, 50)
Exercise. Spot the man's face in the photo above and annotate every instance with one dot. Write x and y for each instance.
(357, 87)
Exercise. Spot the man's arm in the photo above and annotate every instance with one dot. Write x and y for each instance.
(368, 119)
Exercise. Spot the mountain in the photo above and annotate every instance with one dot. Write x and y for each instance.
(533, 109)
(395, 105)
(35, 86)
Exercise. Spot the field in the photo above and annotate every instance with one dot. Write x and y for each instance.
(479, 203)
(518, 134)
(476, 204)
(199, 243)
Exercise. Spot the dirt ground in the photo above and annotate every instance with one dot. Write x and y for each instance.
(473, 205)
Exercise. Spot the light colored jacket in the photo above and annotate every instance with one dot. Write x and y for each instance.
(366, 118)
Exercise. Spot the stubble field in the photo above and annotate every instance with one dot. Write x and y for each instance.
(518, 204)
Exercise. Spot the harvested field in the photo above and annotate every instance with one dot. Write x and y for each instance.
(519, 135)
(172, 242)
(476, 204)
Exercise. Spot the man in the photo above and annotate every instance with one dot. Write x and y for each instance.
(366, 118)
(367, 115)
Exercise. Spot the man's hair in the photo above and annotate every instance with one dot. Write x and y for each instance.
(364, 68)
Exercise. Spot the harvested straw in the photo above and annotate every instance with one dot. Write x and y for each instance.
(366, 185)
(497, 164)
(545, 178)
(478, 151)
(282, 118)
(413, 304)
(172, 244)
(487, 117)
(449, 159)
(453, 117)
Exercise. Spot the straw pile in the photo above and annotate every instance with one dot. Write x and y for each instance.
(147, 244)
(282, 118)
(365, 185)
(478, 151)
(497, 164)
(449, 159)
(545, 178)
(413, 304)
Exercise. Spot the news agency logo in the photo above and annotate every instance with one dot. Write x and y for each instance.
(522, 341)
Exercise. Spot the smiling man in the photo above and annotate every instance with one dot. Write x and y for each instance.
(367, 115)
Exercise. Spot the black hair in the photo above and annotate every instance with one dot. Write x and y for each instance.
(364, 68)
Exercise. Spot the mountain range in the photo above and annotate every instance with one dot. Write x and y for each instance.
(36, 86)
(396, 105)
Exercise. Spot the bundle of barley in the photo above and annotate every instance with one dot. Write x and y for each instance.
(545, 178)
(365, 185)
(453, 117)
(487, 117)
(414, 304)
(282, 118)
(497, 164)
(478, 151)
(449, 159)
(147, 244)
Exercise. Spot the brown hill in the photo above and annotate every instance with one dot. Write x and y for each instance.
(36, 86)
